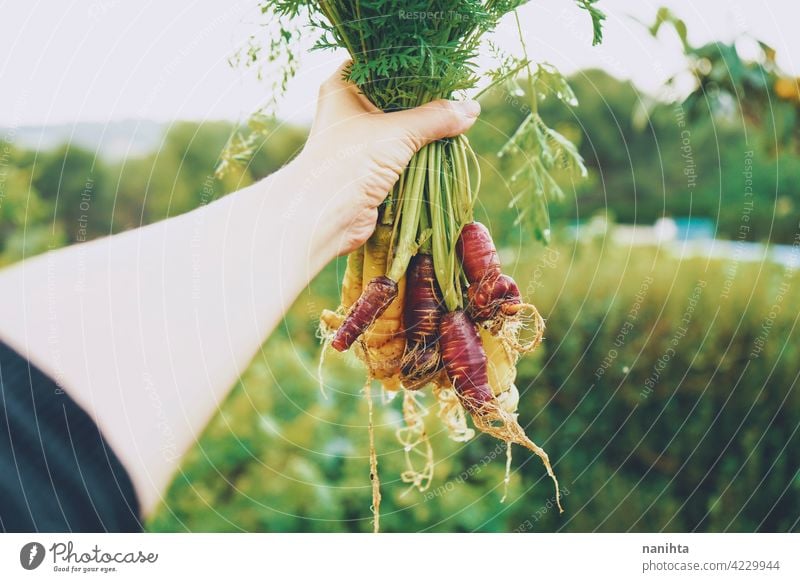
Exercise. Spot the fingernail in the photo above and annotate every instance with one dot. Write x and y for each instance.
(469, 108)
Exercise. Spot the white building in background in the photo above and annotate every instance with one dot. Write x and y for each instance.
(664, 230)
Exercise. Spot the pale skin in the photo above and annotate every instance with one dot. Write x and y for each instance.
(149, 329)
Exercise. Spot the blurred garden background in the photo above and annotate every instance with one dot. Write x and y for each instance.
(666, 391)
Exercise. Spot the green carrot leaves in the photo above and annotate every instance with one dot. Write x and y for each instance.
(598, 16)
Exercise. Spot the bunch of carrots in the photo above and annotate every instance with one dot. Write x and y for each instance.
(410, 334)
(425, 302)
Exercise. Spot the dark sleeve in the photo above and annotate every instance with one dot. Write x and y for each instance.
(57, 472)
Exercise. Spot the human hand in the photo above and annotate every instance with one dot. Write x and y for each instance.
(355, 153)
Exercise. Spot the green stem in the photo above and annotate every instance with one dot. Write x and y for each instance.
(453, 230)
(463, 195)
(328, 8)
(475, 164)
(503, 78)
(439, 236)
(425, 231)
(531, 87)
(440, 189)
(411, 206)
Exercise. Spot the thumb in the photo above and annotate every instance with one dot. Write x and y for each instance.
(435, 120)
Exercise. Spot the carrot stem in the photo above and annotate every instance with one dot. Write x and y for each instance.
(411, 207)
(438, 195)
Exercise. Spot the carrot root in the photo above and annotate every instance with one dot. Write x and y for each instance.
(421, 318)
(416, 444)
(373, 462)
(466, 364)
(489, 289)
(420, 366)
(523, 331)
(477, 252)
(504, 426)
(452, 414)
(492, 294)
(378, 294)
(507, 476)
(352, 284)
(329, 322)
(465, 360)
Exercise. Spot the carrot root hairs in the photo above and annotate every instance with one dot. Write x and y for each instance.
(503, 425)
(416, 444)
(373, 462)
(452, 414)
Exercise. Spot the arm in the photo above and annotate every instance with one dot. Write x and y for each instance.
(149, 329)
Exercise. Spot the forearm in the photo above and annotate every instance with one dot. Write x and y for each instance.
(149, 329)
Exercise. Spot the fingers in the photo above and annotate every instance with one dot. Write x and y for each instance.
(336, 80)
(422, 125)
(341, 98)
(357, 232)
(435, 120)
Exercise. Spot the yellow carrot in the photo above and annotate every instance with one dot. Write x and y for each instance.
(353, 275)
(384, 340)
(331, 320)
(501, 367)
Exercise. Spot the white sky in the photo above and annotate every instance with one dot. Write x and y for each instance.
(102, 60)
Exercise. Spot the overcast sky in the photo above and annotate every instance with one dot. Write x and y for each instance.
(102, 60)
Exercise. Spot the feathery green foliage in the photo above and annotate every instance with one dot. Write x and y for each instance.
(598, 16)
